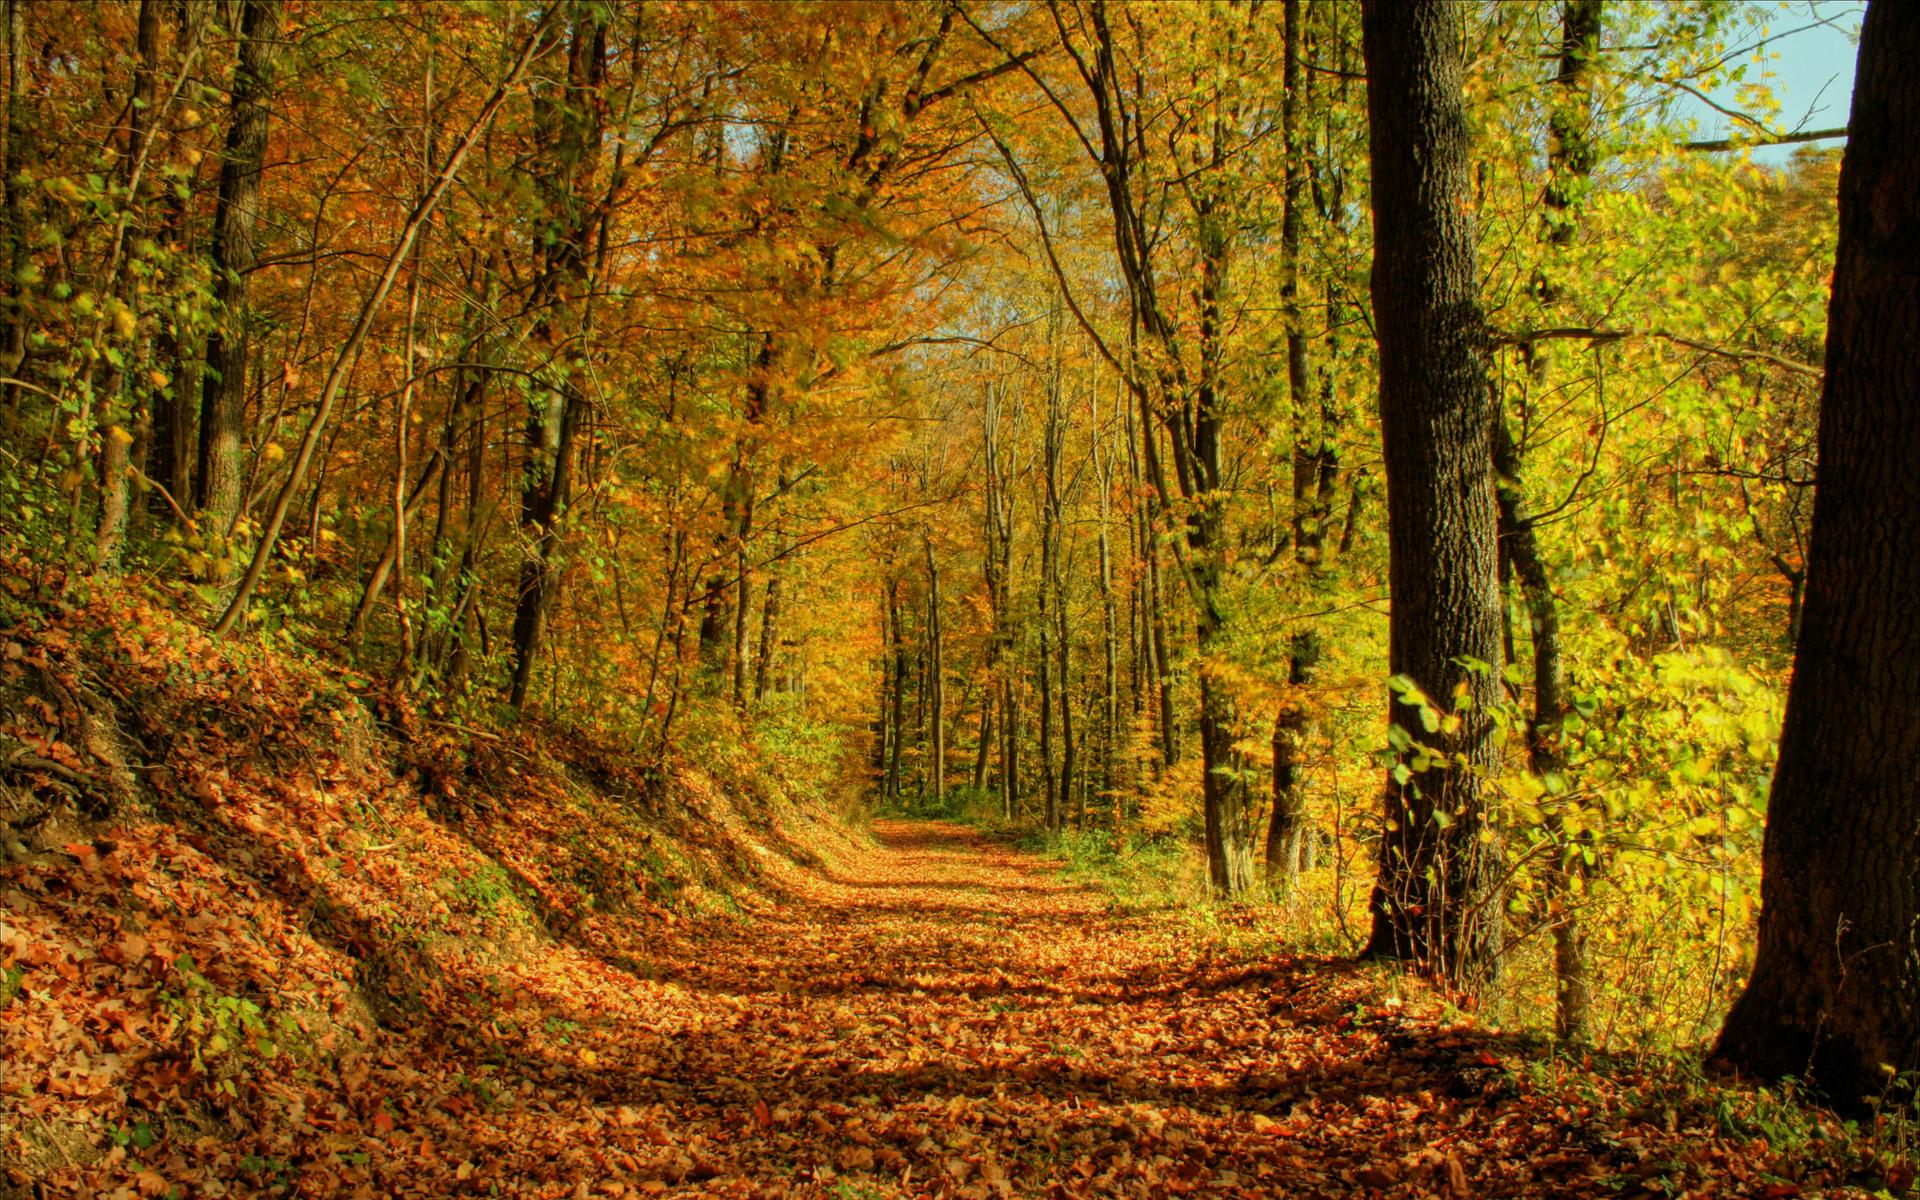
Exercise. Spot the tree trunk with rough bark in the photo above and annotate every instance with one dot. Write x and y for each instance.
(223, 394)
(1834, 997)
(1436, 902)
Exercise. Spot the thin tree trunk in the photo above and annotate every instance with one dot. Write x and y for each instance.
(1053, 806)
(119, 443)
(1109, 631)
(883, 723)
(403, 423)
(1157, 658)
(1308, 521)
(1570, 158)
(1063, 648)
(1009, 748)
(390, 553)
(1049, 798)
(1063, 645)
(13, 318)
(349, 350)
(1287, 828)
(1140, 673)
(223, 393)
(984, 743)
(763, 681)
(172, 454)
(742, 610)
(937, 690)
(676, 562)
(466, 575)
(997, 564)
(897, 715)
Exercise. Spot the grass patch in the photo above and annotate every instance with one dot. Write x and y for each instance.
(1138, 873)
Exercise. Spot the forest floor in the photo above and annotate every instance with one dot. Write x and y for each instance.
(936, 1013)
(270, 939)
(946, 1016)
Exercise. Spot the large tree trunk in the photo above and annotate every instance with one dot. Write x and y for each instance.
(1435, 903)
(1232, 817)
(544, 498)
(1835, 991)
(223, 393)
(1230, 814)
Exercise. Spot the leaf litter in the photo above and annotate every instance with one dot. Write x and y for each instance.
(301, 973)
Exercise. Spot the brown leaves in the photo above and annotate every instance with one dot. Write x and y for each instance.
(289, 970)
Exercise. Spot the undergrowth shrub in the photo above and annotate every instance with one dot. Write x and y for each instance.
(963, 803)
(1138, 871)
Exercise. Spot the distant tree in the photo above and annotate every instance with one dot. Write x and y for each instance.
(1835, 990)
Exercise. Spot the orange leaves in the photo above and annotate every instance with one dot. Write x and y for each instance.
(333, 982)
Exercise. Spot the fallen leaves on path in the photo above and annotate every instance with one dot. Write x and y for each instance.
(938, 1017)
(308, 979)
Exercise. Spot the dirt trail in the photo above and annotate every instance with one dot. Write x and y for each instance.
(932, 1014)
(954, 1020)
(306, 974)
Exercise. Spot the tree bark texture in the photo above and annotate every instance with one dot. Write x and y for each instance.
(1835, 991)
(223, 393)
(1435, 903)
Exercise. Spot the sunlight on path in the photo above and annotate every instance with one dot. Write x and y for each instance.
(950, 1019)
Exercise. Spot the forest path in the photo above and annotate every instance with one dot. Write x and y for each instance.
(953, 1019)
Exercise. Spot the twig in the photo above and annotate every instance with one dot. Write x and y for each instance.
(1524, 337)
(148, 481)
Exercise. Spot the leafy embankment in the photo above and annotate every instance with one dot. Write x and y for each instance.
(263, 936)
(258, 927)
